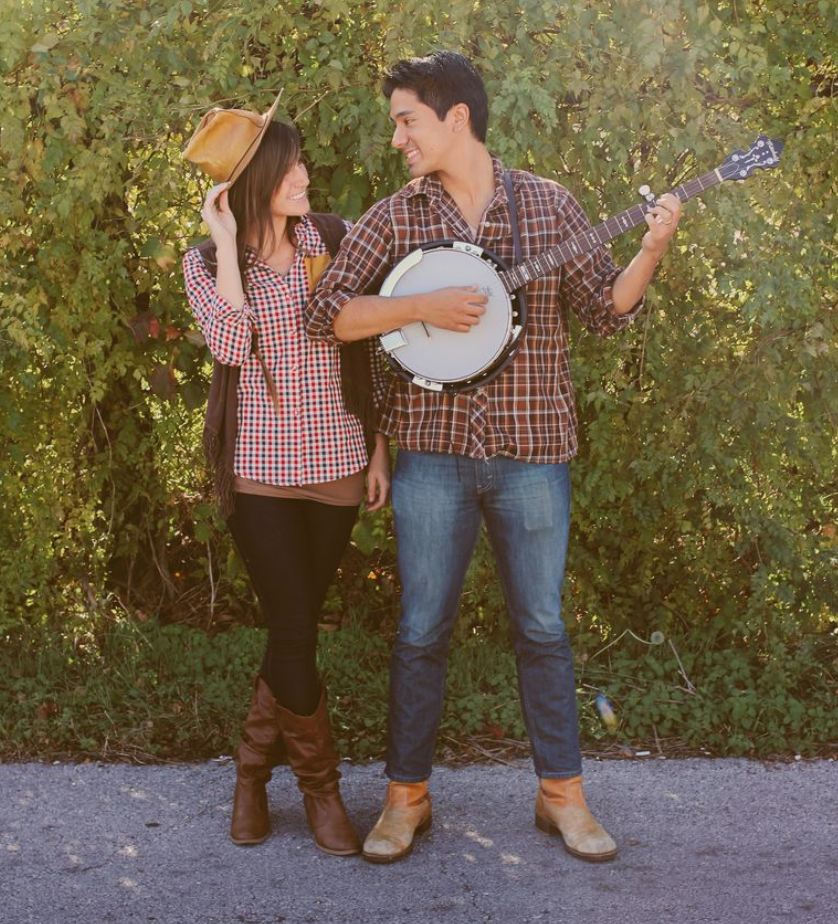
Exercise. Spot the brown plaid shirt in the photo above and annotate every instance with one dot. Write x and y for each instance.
(528, 411)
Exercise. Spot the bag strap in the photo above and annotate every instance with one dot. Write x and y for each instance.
(355, 358)
(331, 228)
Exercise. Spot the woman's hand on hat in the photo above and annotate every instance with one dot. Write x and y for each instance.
(218, 216)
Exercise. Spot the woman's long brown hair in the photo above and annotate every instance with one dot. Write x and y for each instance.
(251, 195)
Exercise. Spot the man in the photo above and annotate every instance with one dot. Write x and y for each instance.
(498, 453)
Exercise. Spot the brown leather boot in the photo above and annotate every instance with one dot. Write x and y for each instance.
(560, 809)
(407, 812)
(312, 755)
(256, 758)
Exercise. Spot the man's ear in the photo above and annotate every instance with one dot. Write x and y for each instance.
(460, 116)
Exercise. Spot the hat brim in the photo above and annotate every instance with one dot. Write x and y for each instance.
(253, 147)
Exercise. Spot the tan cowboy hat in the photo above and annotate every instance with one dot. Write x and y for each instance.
(226, 140)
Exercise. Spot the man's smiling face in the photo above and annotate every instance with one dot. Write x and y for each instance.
(425, 140)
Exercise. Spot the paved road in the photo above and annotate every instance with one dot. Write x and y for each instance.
(702, 841)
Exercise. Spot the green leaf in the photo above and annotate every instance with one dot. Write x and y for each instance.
(46, 43)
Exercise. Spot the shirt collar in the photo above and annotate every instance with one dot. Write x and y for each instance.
(305, 233)
(431, 187)
(307, 236)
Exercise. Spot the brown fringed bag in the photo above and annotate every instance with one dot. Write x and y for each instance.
(221, 422)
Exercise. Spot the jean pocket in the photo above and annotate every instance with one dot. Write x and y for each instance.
(538, 512)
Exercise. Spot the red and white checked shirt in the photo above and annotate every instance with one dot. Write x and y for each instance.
(312, 439)
(528, 411)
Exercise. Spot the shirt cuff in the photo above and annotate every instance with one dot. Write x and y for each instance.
(230, 332)
(618, 322)
(320, 322)
(221, 308)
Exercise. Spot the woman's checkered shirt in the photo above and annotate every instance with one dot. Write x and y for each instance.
(312, 439)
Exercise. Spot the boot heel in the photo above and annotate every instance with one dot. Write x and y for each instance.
(249, 842)
(546, 826)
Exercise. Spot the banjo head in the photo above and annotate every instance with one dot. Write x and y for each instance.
(442, 359)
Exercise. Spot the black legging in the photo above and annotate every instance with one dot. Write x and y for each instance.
(291, 549)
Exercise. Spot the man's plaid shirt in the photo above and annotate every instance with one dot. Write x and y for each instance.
(528, 411)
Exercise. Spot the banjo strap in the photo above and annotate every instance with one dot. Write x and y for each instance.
(519, 257)
(513, 215)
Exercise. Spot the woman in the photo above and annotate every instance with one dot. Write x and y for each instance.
(290, 426)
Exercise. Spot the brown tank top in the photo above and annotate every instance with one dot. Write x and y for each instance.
(342, 492)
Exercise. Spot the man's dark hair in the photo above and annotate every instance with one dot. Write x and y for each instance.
(441, 80)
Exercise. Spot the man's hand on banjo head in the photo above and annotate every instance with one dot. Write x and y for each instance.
(457, 308)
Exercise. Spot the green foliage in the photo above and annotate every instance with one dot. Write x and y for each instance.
(705, 492)
(142, 692)
(137, 692)
(746, 700)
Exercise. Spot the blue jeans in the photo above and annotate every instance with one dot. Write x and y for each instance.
(438, 503)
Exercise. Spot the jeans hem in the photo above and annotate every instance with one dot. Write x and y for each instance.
(403, 779)
(559, 774)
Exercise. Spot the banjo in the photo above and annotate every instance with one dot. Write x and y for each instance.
(448, 361)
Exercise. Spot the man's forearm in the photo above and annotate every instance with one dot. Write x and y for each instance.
(630, 286)
(457, 308)
(369, 315)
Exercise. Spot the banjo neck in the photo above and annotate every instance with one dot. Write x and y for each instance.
(764, 153)
(554, 257)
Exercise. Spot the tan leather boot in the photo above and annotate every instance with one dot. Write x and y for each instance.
(560, 809)
(407, 812)
(312, 755)
(256, 758)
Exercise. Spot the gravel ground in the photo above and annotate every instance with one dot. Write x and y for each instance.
(701, 841)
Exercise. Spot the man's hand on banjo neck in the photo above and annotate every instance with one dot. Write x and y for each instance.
(662, 220)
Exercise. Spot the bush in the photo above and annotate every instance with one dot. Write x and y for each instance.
(705, 490)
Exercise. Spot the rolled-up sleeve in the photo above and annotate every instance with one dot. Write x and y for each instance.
(360, 267)
(228, 330)
(588, 280)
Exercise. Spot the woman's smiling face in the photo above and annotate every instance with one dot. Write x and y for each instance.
(291, 196)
